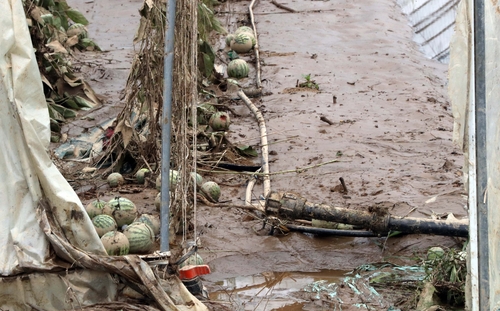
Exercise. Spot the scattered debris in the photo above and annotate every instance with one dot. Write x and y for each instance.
(325, 119)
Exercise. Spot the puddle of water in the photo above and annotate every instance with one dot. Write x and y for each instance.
(271, 290)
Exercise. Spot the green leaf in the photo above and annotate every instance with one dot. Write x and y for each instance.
(393, 233)
(246, 151)
(208, 65)
(63, 111)
(77, 17)
(82, 102)
(54, 114)
(71, 103)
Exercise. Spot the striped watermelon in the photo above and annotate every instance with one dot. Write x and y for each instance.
(229, 38)
(195, 177)
(194, 260)
(242, 43)
(122, 209)
(238, 68)
(212, 190)
(141, 175)
(248, 31)
(95, 208)
(243, 29)
(174, 179)
(220, 121)
(115, 243)
(115, 180)
(152, 221)
(103, 224)
(140, 237)
(77, 30)
(158, 202)
(204, 112)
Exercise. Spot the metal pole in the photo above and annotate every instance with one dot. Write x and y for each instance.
(481, 155)
(166, 123)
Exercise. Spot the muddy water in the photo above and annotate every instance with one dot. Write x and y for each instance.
(271, 290)
(391, 135)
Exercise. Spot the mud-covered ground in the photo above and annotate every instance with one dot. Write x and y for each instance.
(391, 134)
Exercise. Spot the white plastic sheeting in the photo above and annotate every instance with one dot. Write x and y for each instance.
(461, 91)
(26, 168)
(51, 257)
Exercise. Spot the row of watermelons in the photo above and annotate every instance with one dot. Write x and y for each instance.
(209, 189)
(117, 221)
(119, 228)
(242, 41)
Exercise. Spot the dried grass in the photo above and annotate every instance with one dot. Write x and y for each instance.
(138, 126)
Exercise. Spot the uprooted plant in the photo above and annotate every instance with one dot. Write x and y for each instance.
(55, 30)
(446, 270)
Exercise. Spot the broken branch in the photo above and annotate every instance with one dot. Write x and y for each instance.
(281, 6)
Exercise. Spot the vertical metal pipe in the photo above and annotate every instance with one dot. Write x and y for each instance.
(481, 154)
(166, 123)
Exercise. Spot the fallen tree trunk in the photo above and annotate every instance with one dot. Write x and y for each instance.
(292, 206)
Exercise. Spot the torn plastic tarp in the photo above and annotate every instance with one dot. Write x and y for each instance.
(28, 173)
(51, 256)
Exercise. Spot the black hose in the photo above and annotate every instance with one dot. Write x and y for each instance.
(333, 232)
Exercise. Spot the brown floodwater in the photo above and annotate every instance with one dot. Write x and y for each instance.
(391, 134)
(272, 290)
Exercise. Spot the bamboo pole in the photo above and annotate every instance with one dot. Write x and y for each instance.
(256, 47)
(263, 141)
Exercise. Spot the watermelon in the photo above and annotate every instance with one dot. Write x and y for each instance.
(158, 202)
(238, 68)
(174, 179)
(247, 30)
(194, 260)
(115, 180)
(204, 112)
(242, 43)
(243, 29)
(229, 38)
(196, 178)
(95, 208)
(122, 209)
(77, 30)
(141, 175)
(220, 121)
(140, 237)
(115, 243)
(212, 190)
(153, 221)
(103, 224)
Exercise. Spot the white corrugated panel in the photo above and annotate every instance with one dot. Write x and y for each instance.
(433, 23)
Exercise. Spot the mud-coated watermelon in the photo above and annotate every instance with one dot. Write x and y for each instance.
(104, 224)
(242, 43)
(220, 121)
(122, 210)
(140, 237)
(115, 243)
(238, 68)
(153, 221)
(95, 208)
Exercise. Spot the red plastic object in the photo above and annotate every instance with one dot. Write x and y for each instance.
(190, 272)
